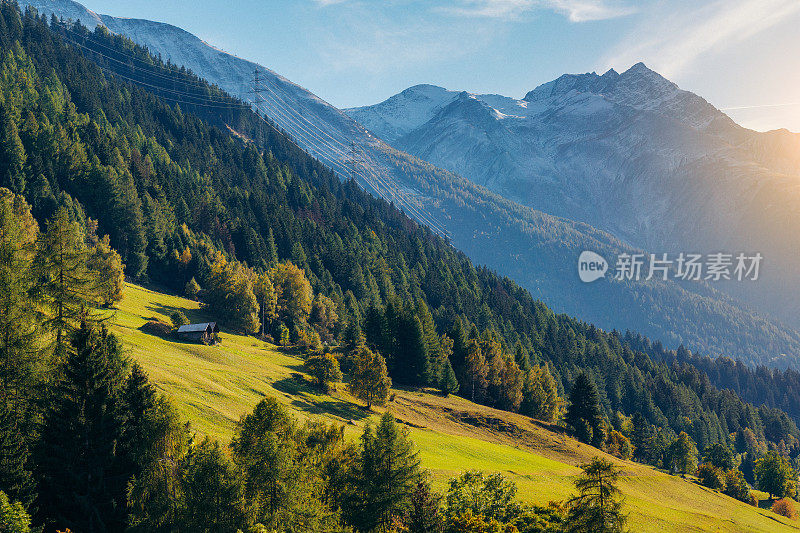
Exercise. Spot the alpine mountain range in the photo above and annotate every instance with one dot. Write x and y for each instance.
(611, 163)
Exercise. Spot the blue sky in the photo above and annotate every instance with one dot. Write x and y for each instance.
(741, 55)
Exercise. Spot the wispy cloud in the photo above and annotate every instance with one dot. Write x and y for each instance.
(379, 42)
(575, 10)
(672, 39)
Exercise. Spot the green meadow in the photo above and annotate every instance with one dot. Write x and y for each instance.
(213, 386)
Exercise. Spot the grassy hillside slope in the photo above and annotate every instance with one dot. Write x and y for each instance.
(214, 386)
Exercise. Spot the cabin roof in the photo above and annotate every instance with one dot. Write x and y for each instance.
(196, 328)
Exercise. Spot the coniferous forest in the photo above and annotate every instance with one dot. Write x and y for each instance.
(104, 175)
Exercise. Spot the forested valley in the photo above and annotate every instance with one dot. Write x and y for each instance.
(102, 176)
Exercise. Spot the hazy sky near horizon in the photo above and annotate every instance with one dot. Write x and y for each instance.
(741, 55)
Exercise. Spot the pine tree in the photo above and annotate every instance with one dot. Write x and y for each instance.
(411, 365)
(583, 413)
(446, 376)
(21, 371)
(106, 267)
(16, 477)
(642, 438)
(76, 456)
(354, 338)
(384, 479)
(212, 490)
(155, 498)
(192, 289)
(12, 153)
(272, 250)
(682, 454)
(67, 287)
(597, 507)
(432, 341)
(140, 405)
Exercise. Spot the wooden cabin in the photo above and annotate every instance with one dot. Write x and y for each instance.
(205, 332)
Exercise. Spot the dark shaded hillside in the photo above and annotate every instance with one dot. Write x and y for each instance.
(172, 189)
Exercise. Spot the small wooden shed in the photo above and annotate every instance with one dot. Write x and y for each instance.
(205, 332)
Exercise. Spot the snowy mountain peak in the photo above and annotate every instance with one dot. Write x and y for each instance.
(564, 84)
(67, 10)
(405, 111)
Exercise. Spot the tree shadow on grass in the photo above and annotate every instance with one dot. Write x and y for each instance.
(297, 385)
(194, 315)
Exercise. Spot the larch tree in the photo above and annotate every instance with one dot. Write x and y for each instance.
(267, 300)
(597, 507)
(293, 292)
(67, 287)
(540, 394)
(20, 349)
(106, 265)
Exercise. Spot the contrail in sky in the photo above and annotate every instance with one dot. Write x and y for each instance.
(758, 106)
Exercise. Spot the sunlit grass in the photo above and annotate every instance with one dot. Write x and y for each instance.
(213, 386)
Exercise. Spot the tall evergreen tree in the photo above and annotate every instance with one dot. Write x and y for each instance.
(76, 456)
(642, 437)
(272, 249)
(212, 492)
(12, 152)
(682, 454)
(384, 478)
(67, 287)
(446, 380)
(597, 506)
(21, 364)
(16, 477)
(583, 413)
(411, 365)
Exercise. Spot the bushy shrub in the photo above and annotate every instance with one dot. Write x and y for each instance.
(156, 327)
(711, 476)
(178, 319)
(619, 445)
(785, 507)
(736, 486)
(308, 341)
(192, 289)
(325, 369)
(284, 335)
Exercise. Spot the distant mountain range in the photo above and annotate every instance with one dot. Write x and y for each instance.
(538, 247)
(632, 154)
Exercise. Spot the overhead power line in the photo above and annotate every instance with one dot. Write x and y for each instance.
(343, 158)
